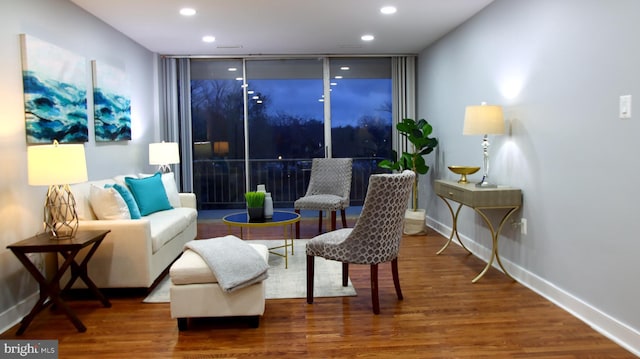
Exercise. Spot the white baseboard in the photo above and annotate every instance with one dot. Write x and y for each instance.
(14, 315)
(606, 325)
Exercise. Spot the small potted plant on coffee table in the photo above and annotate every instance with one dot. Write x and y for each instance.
(255, 206)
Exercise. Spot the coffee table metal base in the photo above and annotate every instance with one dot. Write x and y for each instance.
(280, 218)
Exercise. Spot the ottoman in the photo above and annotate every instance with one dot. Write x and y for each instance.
(195, 292)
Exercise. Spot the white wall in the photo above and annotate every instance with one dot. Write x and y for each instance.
(558, 68)
(61, 23)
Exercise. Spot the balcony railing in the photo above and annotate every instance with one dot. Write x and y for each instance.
(220, 184)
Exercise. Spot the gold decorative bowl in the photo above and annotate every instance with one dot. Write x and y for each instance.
(463, 171)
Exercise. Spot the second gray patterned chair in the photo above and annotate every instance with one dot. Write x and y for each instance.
(374, 239)
(329, 190)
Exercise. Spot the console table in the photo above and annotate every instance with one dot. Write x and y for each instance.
(480, 199)
(50, 289)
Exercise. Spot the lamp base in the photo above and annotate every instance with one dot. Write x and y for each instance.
(60, 216)
(486, 184)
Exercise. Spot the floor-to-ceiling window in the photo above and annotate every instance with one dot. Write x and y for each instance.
(291, 110)
(217, 125)
(361, 116)
(286, 120)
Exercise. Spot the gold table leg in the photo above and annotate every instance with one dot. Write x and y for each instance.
(288, 236)
(454, 227)
(494, 243)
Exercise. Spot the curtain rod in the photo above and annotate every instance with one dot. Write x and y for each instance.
(284, 56)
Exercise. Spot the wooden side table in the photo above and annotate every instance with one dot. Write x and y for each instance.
(479, 199)
(68, 248)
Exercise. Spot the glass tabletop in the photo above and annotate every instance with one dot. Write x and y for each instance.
(279, 218)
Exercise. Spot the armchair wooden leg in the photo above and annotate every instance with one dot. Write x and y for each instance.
(310, 269)
(374, 289)
(345, 274)
(333, 220)
(344, 218)
(320, 222)
(297, 225)
(396, 278)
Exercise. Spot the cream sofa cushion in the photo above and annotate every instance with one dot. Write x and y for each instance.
(167, 224)
(107, 203)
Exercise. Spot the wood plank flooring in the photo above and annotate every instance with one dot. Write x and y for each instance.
(443, 315)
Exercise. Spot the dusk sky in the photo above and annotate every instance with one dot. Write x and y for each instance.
(350, 99)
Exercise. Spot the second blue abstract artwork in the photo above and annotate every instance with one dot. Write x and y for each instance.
(112, 103)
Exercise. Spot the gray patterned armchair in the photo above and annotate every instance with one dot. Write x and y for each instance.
(329, 190)
(374, 239)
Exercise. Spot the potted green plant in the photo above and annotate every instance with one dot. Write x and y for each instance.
(255, 205)
(417, 133)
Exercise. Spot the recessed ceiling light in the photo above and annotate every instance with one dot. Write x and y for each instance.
(232, 69)
(345, 68)
(208, 38)
(388, 10)
(367, 37)
(338, 77)
(187, 11)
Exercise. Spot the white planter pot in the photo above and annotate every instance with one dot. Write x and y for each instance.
(414, 221)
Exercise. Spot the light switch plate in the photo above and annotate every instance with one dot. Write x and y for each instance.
(625, 107)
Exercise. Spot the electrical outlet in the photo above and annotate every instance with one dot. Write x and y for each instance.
(523, 226)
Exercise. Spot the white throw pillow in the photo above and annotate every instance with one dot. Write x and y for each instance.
(169, 183)
(107, 203)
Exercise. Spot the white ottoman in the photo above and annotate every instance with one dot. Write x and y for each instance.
(195, 292)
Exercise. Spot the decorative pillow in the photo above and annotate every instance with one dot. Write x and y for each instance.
(149, 194)
(170, 187)
(134, 211)
(107, 203)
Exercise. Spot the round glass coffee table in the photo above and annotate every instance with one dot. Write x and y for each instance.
(285, 219)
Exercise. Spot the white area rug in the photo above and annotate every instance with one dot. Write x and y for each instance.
(286, 283)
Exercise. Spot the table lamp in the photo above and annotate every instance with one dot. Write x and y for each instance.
(484, 120)
(164, 154)
(57, 166)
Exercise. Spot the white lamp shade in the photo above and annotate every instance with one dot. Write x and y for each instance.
(483, 119)
(163, 153)
(56, 164)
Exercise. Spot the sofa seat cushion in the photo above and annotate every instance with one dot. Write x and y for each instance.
(165, 225)
(190, 268)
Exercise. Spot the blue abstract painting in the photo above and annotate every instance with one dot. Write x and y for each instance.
(112, 103)
(55, 94)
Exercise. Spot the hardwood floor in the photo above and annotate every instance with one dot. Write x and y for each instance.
(443, 315)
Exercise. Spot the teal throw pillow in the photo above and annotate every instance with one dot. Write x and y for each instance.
(149, 193)
(128, 199)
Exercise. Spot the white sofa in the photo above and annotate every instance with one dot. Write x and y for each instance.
(136, 251)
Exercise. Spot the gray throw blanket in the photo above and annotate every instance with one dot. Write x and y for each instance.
(234, 263)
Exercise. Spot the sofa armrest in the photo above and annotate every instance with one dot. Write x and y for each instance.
(188, 200)
(124, 257)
